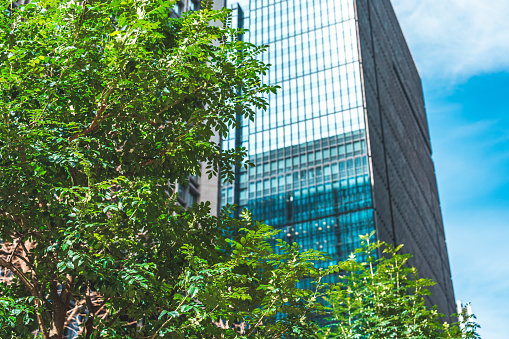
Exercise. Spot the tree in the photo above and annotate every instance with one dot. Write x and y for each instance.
(255, 290)
(383, 297)
(104, 107)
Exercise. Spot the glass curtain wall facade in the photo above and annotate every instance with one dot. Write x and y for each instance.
(311, 178)
(344, 146)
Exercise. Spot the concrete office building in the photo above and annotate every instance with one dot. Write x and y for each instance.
(344, 147)
(198, 188)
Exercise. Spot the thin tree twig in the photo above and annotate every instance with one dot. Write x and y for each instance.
(179, 100)
(260, 320)
(167, 321)
(16, 246)
(115, 317)
(96, 123)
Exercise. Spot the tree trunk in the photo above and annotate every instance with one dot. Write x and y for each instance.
(57, 325)
(89, 327)
(61, 304)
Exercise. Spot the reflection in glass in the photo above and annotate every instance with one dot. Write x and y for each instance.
(313, 131)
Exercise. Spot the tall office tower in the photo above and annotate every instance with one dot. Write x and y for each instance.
(344, 147)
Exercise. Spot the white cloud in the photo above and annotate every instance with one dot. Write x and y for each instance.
(456, 39)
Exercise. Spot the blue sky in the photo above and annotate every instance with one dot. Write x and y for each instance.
(470, 136)
(461, 48)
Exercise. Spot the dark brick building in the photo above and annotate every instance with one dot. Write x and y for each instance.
(406, 202)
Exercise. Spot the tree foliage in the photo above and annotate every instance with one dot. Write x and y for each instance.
(104, 107)
(16, 316)
(379, 297)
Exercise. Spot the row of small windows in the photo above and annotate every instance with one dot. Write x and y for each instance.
(309, 203)
(337, 235)
(282, 137)
(293, 125)
(307, 177)
(343, 151)
(333, 141)
(343, 175)
(319, 230)
(311, 158)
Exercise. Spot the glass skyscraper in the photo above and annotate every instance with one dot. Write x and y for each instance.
(343, 148)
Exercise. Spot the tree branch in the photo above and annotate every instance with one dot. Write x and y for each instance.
(40, 319)
(167, 321)
(125, 308)
(260, 320)
(179, 100)
(34, 292)
(20, 275)
(25, 261)
(31, 262)
(96, 122)
(73, 314)
(16, 245)
(13, 218)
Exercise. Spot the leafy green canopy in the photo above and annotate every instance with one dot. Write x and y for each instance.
(104, 106)
(381, 297)
(16, 316)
